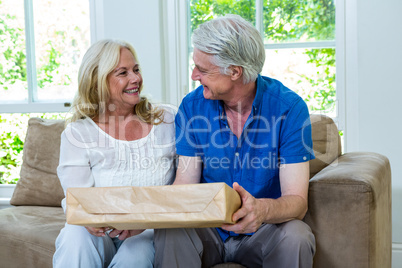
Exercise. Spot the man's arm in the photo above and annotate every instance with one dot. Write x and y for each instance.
(291, 205)
(188, 170)
(294, 179)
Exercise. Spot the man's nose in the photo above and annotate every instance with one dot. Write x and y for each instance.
(195, 75)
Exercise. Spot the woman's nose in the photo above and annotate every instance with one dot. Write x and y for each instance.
(135, 77)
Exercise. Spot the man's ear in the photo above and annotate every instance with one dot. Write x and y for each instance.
(236, 72)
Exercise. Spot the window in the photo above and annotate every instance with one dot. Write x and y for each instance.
(299, 38)
(41, 44)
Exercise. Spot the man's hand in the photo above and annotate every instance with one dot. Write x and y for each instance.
(291, 205)
(250, 216)
(123, 234)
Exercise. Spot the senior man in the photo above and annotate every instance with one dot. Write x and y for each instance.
(250, 132)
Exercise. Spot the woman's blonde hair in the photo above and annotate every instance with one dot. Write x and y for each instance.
(93, 87)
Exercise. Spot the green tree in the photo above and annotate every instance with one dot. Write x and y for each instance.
(205, 10)
(12, 52)
(10, 150)
(294, 20)
(325, 93)
(50, 67)
(13, 132)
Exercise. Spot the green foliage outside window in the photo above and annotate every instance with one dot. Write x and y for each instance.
(12, 50)
(10, 156)
(299, 20)
(45, 73)
(205, 10)
(12, 136)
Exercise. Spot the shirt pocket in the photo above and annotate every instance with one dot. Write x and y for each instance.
(262, 167)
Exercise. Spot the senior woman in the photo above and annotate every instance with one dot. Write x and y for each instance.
(115, 138)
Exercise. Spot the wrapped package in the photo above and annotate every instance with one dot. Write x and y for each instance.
(170, 206)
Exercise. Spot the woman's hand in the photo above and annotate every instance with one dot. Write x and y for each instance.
(123, 234)
(96, 231)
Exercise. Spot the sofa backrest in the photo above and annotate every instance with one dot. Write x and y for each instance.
(326, 142)
(40, 186)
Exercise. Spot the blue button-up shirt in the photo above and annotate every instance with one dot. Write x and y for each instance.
(278, 131)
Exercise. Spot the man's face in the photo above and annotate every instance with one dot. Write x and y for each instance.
(216, 85)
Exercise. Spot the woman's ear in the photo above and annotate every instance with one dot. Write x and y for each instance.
(236, 72)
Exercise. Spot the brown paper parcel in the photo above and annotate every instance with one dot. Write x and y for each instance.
(153, 207)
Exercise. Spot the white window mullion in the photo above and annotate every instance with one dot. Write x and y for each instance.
(319, 44)
(35, 107)
(259, 15)
(96, 10)
(30, 51)
(340, 63)
(175, 50)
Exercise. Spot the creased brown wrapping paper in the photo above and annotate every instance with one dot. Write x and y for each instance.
(153, 207)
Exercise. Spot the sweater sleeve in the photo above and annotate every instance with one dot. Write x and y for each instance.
(74, 165)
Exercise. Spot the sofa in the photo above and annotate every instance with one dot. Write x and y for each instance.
(349, 202)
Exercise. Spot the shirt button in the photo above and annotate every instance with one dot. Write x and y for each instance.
(237, 154)
(304, 158)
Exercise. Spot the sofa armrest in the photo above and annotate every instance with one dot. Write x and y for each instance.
(350, 212)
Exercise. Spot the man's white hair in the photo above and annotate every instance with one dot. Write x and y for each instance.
(232, 41)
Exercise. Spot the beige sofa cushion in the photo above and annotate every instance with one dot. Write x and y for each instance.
(39, 184)
(326, 142)
(28, 235)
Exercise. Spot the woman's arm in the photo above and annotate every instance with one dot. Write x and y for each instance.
(74, 165)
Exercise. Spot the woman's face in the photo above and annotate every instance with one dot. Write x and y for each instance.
(125, 82)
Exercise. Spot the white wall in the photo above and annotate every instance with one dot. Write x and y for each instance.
(377, 116)
(138, 22)
(374, 91)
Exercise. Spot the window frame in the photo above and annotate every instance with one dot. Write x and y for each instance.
(176, 51)
(32, 104)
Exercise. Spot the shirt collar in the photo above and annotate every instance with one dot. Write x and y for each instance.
(258, 94)
(221, 110)
(256, 102)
